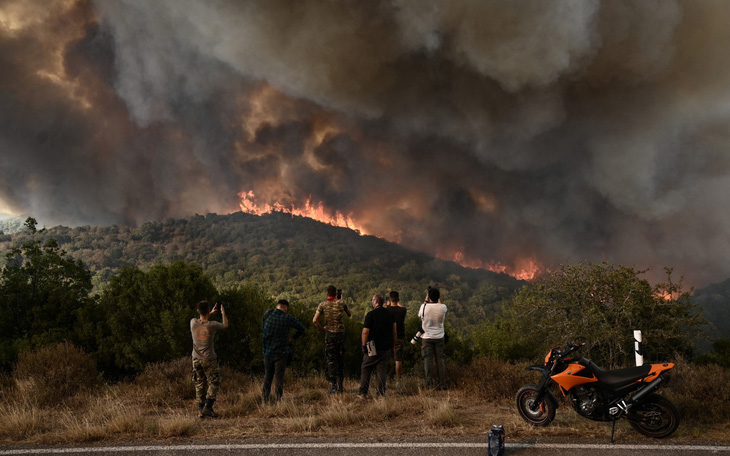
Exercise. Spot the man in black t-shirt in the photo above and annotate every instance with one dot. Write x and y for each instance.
(399, 315)
(380, 330)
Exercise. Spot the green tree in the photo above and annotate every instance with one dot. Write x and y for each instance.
(42, 290)
(145, 316)
(599, 304)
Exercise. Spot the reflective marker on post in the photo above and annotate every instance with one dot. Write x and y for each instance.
(638, 349)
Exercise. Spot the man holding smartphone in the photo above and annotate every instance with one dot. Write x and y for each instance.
(206, 372)
(334, 340)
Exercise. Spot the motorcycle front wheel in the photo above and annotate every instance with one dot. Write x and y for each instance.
(656, 416)
(537, 413)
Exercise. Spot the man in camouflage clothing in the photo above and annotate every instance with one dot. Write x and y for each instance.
(206, 372)
(334, 340)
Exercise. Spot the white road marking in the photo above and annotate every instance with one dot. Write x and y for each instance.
(281, 446)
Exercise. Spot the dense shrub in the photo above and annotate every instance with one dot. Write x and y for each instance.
(49, 375)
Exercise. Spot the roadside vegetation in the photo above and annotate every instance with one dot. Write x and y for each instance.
(50, 398)
(78, 365)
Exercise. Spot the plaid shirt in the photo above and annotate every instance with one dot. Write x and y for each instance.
(275, 327)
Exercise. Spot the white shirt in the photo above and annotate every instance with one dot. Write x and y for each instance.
(432, 319)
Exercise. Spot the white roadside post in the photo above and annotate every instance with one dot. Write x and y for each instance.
(638, 350)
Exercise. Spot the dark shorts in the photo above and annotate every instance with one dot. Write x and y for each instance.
(398, 349)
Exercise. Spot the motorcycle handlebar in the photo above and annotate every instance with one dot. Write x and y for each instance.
(574, 347)
(570, 349)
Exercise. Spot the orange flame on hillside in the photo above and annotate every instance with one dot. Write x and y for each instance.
(526, 269)
(311, 210)
(523, 270)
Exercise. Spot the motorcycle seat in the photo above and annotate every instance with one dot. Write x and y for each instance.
(620, 377)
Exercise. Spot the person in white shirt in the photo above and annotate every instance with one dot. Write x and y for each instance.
(432, 314)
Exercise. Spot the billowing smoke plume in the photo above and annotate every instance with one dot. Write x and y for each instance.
(553, 131)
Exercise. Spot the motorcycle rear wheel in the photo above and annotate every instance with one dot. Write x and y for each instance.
(659, 417)
(536, 413)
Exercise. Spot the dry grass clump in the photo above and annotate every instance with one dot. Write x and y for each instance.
(339, 412)
(386, 408)
(80, 428)
(119, 416)
(50, 375)
(20, 421)
(492, 379)
(176, 424)
(440, 412)
(167, 383)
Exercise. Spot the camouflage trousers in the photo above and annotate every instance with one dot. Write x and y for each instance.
(207, 379)
(334, 350)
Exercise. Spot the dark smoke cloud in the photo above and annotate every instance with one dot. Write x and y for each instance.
(549, 130)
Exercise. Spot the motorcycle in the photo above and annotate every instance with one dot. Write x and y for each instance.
(600, 395)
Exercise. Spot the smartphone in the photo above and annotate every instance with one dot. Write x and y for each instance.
(339, 294)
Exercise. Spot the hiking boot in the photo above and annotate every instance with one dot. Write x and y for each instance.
(208, 409)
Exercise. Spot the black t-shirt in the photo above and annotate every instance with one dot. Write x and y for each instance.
(380, 322)
(399, 314)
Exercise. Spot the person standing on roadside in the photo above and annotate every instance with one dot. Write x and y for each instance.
(399, 315)
(206, 372)
(378, 334)
(334, 339)
(432, 314)
(276, 327)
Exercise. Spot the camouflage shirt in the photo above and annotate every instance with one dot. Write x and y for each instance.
(332, 311)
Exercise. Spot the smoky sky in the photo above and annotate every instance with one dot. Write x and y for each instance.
(553, 131)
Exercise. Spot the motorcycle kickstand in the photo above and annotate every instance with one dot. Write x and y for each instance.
(613, 429)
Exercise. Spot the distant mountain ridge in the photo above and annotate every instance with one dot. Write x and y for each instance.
(286, 255)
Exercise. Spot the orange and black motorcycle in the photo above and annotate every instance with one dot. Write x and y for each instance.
(600, 395)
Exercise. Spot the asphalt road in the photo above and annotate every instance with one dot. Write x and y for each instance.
(341, 448)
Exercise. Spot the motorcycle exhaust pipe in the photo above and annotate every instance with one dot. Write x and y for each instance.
(624, 406)
(651, 387)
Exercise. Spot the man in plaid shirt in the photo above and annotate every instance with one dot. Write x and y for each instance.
(277, 346)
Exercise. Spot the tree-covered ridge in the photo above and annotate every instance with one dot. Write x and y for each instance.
(715, 303)
(292, 257)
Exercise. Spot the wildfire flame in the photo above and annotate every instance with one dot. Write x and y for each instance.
(525, 269)
(311, 210)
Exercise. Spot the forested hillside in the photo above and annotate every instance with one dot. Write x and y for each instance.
(292, 257)
(714, 301)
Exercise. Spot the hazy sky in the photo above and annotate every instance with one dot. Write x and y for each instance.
(532, 130)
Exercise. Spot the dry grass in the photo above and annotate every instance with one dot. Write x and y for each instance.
(159, 404)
